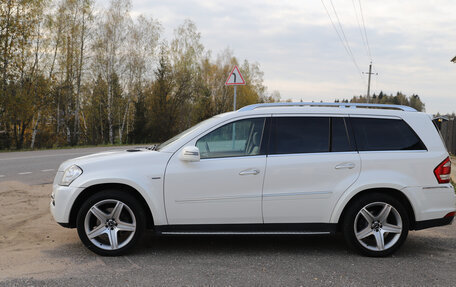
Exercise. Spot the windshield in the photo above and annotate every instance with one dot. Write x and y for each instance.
(184, 133)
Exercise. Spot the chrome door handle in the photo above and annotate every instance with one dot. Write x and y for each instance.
(249, 172)
(345, 165)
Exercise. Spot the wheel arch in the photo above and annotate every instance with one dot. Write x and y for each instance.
(93, 189)
(390, 191)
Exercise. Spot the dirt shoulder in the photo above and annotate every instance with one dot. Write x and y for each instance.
(28, 234)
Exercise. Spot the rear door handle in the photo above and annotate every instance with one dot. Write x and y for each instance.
(249, 172)
(345, 165)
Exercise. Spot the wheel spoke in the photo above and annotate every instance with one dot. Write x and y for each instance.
(364, 233)
(104, 227)
(383, 215)
(124, 226)
(367, 215)
(112, 234)
(380, 240)
(117, 210)
(97, 231)
(99, 214)
(391, 228)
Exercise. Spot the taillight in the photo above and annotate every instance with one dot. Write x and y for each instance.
(443, 170)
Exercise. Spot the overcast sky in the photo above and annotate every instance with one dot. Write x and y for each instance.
(411, 43)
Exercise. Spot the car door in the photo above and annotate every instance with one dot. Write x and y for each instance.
(225, 186)
(311, 162)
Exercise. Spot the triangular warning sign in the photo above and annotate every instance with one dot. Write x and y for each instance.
(235, 78)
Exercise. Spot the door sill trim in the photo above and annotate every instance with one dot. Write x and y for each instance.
(245, 233)
(249, 229)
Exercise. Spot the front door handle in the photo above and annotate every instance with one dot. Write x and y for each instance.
(345, 165)
(249, 172)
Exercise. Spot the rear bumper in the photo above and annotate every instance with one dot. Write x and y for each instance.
(431, 202)
(433, 223)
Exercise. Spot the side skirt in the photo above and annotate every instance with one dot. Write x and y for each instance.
(249, 229)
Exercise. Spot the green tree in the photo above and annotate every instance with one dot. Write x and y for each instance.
(413, 101)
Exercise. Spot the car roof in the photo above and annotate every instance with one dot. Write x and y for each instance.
(327, 108)
(370, 110)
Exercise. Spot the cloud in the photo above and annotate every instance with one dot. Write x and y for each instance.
(412, 43)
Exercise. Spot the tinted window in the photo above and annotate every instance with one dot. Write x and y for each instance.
(299, 135)
(240, 138)
(340, 140)
(385, 134)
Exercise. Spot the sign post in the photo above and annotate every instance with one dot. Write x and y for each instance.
(235, 79)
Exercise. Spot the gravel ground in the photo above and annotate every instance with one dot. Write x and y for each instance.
(35, 251)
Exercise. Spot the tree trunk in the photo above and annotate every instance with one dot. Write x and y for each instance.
(110, 125)
(121, 129)
(58, 115)
(35, 130)
(21, 136)
(78, 92)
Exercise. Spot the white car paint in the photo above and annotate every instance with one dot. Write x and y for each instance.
(296, 188)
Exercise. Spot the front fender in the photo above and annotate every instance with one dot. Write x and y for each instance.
(151, 189)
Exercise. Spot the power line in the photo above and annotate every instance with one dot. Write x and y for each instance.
(343, 34)
(360, 29)
(365, 32)
(344, 43)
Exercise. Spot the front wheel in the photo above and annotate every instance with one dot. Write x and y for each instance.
(376, 224)
(110, 222)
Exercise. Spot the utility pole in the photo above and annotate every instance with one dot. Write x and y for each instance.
(369, 81)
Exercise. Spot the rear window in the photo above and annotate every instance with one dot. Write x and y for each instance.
(373, 134)
(299, 135)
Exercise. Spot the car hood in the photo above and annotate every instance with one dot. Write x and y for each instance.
(117, 159)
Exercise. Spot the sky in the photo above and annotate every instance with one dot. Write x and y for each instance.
(411, 44)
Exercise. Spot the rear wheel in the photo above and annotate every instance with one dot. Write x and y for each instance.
(110, 222)
(376, 224)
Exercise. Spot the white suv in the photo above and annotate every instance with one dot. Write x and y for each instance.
(373, 172)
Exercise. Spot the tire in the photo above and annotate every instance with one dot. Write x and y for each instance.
(376, 225)
(110, 222)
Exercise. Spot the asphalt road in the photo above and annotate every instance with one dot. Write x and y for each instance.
(427, 259)
(39, 167)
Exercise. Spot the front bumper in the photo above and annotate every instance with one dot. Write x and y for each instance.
(62, 200)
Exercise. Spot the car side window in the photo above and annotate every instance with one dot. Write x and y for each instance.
(299, 135)
(239, 138)
(373, 134)
(340, 139)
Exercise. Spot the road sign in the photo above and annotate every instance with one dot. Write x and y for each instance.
(235, 78)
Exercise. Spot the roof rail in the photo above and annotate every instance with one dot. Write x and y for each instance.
(340, 105)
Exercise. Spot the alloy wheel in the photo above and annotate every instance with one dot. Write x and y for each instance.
(110, 224)
(378, 226)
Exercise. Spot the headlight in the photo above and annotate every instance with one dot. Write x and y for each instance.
(70, 175)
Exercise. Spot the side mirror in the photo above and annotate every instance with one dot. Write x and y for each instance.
(190, 153)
